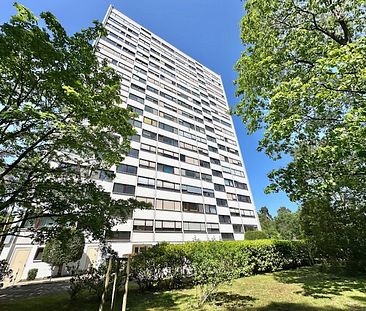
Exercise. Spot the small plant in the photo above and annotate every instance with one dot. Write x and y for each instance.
(32, 274)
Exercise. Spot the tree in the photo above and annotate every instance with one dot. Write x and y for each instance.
(61, 120)
(267, 223)
(66, 247)
(302, 81)
(287, 224)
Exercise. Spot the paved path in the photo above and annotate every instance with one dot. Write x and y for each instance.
(33, 290)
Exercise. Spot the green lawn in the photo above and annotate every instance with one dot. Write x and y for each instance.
(301, 289)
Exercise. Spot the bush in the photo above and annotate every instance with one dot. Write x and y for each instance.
(255, 235)
(32, 273)
(209, 264)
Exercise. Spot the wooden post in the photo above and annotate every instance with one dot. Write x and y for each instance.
(124, 301)
(107, 275)
(116, 273)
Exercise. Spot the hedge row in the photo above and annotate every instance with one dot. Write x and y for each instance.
(173, 265)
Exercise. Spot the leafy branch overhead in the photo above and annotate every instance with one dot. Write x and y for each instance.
(302, 82)
(60, 120)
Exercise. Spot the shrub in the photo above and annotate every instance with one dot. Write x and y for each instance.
(209, 264)
(5, 271)
(32, 273)
(255, 235)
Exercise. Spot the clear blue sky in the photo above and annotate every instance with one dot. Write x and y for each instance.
(207, 30)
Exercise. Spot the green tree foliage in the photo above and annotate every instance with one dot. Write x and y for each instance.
(302, 81)
(267, 223)
(60, 120)
(256, 235)
(285, 226)
(66, 247)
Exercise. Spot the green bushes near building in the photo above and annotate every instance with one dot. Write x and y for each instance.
(209, 264)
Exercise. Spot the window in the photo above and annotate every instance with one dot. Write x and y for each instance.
(208, 193)
(210, 209)
(149, 134)
(191, 189)
(168, 128)
(167, 116)
(229, 182)
(219, 187)
(216, 173)
(188, 146)
(146, 182)
(135, 109)
(166, 185)
(244, 198)
(133, 153)
(38, 255)
(240, 185)
(151, 89)
(148, 148)
(192, 207)
(135, 138)
(147, 164)
(106, 175)
(224, 219)
(235, 212)
(150, 109)
(202, 151)
(136, 87)
(168, 140)
(221, 202)
(119, 235)
(168, 226)
(167, 169)
(123, 189)
(206, 177)
(150, 121)
(212, 149)
(238, 228)
(146, 200)
(168, 154)
(142, 225)
(221, 147)
(194, 226)
(231, 196)
(127, 169)
(213, 228)
(212, 139)
(190, 174)
(227, 236)
(250, 228)
(136, 98)
(188, 159)
(247, 213)
(204, 164)
(168, 205)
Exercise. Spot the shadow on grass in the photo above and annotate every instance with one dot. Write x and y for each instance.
(319, 284)
(232, 302)
(159, 301)
(288, 306)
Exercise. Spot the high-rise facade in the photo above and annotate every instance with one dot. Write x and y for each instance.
(185, 158)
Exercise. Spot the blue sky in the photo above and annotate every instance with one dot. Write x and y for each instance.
(207, 30)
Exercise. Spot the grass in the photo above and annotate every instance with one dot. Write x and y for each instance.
(304, 289)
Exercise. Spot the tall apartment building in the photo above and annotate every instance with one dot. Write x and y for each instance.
(185, 158)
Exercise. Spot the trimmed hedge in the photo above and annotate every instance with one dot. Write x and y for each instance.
(173, 265)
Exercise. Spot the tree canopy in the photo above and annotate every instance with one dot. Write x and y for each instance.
(302, 82)
(61, 119)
